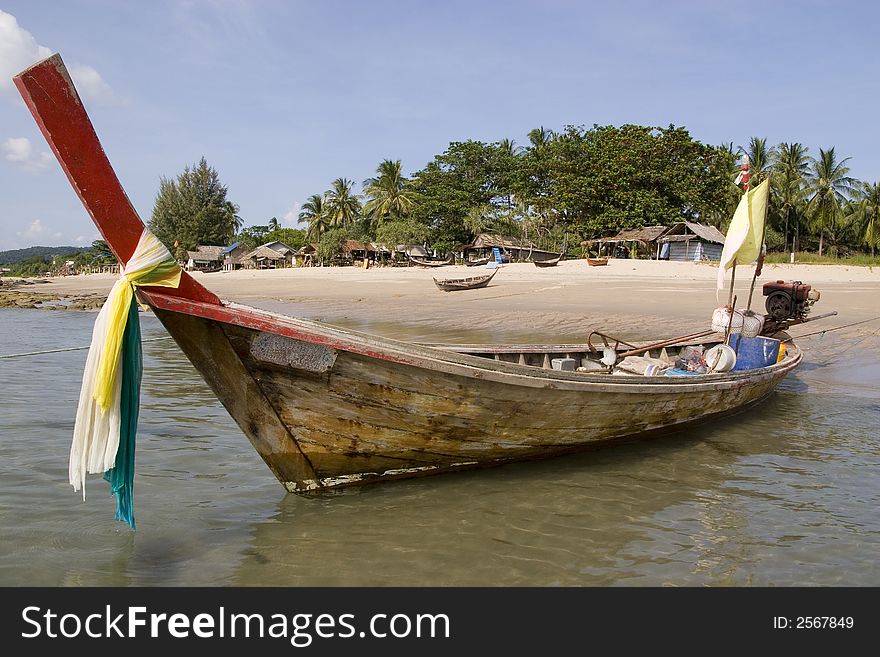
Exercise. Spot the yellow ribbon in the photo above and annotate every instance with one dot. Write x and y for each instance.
(150, 264)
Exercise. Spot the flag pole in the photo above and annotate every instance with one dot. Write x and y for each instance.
(744, 177)
(758, 266)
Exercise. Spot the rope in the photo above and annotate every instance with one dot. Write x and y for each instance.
(835, 328)
(58, 351)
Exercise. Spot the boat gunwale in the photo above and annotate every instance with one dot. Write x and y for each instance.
(446, 359)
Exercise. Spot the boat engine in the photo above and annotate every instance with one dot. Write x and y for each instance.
(789, 300)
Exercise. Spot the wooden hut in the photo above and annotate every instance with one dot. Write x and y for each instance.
(516, 250)
(687, 241)
(632, 242)
(204, 257)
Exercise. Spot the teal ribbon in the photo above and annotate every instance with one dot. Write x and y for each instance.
(121, 476)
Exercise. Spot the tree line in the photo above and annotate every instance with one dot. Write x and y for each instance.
(556, 190)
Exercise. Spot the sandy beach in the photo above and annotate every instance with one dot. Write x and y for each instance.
(635, 299)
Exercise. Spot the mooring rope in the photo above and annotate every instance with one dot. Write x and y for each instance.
(833, 328)
(57, 351)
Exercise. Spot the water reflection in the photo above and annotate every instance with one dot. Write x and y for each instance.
(782, 494)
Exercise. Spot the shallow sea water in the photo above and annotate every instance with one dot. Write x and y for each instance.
(784, 494)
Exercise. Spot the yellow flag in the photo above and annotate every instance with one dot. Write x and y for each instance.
(742, 245)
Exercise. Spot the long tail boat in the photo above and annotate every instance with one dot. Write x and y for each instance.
(327, 407)
(468, 283)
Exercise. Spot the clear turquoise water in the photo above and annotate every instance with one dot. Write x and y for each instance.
(785, 494)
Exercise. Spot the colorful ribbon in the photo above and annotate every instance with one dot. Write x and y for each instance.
(106, 417)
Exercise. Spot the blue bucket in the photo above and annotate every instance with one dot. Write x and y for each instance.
(753, 353)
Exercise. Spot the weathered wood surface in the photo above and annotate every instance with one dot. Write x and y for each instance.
(597, 262)
(468, 283)
(552, 262)
(359, 417)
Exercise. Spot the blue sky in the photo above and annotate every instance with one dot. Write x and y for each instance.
(282, 97)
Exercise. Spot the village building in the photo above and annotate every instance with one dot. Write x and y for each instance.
(233, 255)
(204, 258)
(272, 255)
(511, 249)
(691, 242)
(631, 243)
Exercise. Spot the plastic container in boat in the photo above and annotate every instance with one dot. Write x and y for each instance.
(753, 353)
(720, 358)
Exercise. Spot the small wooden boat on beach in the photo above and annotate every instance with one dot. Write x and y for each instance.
(598, 262)
(551, 262)
(326, 406)
(430, 262)
(479, 262)
(468, 283)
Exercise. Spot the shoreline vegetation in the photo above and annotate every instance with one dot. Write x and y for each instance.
(560, 191)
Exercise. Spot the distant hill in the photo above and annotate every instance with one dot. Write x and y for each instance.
(17, 255)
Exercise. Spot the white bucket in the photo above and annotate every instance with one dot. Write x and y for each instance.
(720, 358)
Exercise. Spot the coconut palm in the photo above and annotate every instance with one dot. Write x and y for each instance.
(314, 213)
(388, 194)
(540, 137)
(867, 215)
(790, 165)
(273, 224)
(829, 188)
(343, 207)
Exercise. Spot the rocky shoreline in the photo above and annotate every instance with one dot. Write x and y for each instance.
(47, 301)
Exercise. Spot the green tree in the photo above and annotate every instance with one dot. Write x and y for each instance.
(273, 224)
(193, 209)
(790, 165)
(292, 237)
(402, 231)
(607, 178)
(867, 215)
(830, 188)
(314, 213)
(388, 195)
(343, 206)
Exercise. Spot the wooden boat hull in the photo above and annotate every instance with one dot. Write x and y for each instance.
(327, 407)
(471, 283)
(547, 263)
(597, 262)
(430, 263)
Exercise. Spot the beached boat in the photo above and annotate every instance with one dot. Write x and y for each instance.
(598, 262)
(468, 283)
(479, 262)
(327, 406)
(430, 262)
(551, 262)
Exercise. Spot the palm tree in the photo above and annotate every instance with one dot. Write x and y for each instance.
(343, 207)
(273, 224)
(867, 215)
(388, 194)
(790, 165)
(759, 160)
(314, 213)
(829, 187)
(540, 137)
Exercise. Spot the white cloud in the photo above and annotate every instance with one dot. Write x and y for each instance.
(291, 217)
(21, 152)
(18, 49)
(92, 86)
(37, 231)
